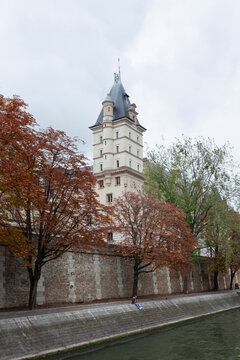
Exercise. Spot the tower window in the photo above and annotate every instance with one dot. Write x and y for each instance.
(101, 167)
(130, 163)
(110, 236)
(130, 148)
(137, 139)
(117, 148)
(108, 108)
(101, 140)
(117, 180)
(117, 163)
(117, 135)
(138, 167)
(129, 135)
(101, 184)
(89, 221)
(137, 153)
(101, 153)
(105, 143)
(109, 198)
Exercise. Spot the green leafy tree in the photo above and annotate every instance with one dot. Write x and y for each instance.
(216, 236)
(232, 254)
(189, 173)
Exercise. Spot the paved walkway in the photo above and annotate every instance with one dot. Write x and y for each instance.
(61, 309)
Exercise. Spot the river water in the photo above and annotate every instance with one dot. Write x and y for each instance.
(216, 337)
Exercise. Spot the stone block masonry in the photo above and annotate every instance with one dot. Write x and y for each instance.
(2, 276)
(14, 281)
(82, 278)
(44, 331)
(71, 277)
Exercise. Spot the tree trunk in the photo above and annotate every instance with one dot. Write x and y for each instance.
(135, 280)
(34, 278)
(215, 280)
(231, 279)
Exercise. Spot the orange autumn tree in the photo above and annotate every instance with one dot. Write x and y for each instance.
(154, 234)
(47, 201)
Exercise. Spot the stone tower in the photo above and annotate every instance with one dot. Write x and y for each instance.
(117, 145)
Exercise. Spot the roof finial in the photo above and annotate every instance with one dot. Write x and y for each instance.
(119, 67)
(117, 77)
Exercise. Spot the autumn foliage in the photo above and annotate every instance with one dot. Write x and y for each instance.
(47, 201)
(154, 234)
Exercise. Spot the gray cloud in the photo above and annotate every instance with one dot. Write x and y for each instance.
(179, 60)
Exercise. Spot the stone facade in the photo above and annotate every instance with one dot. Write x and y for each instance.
(81, 278)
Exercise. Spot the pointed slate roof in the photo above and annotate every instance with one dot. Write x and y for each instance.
(121, 102)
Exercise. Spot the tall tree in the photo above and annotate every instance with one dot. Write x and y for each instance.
(188, 174)
(216, 237)
(222, 240)
(153, 234)
(232, 253)
(234, 256)
(47, 200)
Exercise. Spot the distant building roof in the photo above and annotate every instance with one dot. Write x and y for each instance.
(121, 101)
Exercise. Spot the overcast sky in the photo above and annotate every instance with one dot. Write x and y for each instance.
(180, 64)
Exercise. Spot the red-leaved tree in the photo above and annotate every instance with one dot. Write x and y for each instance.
(47, 201)
(154, 234)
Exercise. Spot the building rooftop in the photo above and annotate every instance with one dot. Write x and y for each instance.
(121, 102)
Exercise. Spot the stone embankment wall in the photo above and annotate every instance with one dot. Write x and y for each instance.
(82, 278)
(43, 331)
